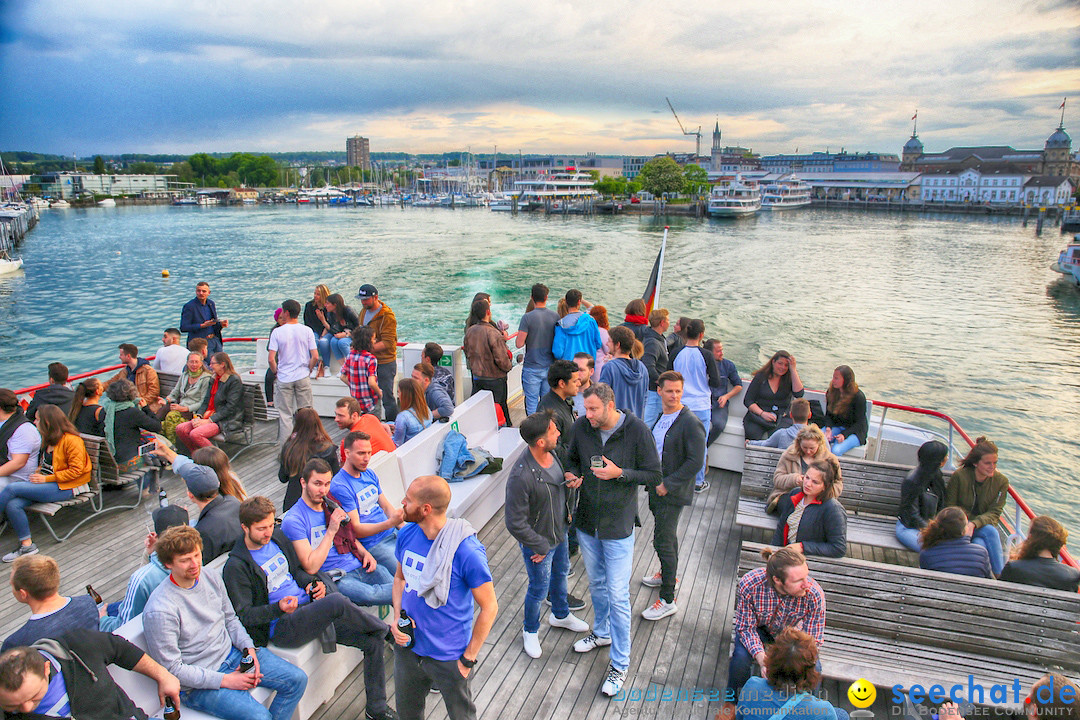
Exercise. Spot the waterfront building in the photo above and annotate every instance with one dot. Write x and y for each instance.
(1047, 190)
(358, 152)
(823, 162)
(68, 185)
(996, 184)
(243, 193)
(881, 186)
(632, 165)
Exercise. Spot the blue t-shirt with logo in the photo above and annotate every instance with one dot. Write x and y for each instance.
(303, 523)
(55, 702)
(279, 581)
(362, 495)
(441, 633)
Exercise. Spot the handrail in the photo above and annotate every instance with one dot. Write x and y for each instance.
(1020, 503)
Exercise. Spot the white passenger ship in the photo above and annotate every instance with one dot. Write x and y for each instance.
(569, 185)
(786, 194)
(735, 198)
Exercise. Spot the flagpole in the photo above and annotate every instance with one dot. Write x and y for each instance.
(660, 270)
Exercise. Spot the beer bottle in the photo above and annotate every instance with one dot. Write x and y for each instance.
(406, 625)
(171, 711)
(93, 593)
(247, 663)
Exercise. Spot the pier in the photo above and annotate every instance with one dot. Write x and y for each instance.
(16, 220)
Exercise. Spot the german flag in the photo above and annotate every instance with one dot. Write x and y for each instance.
(652, 289)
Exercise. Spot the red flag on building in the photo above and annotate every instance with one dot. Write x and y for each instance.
(652, 289)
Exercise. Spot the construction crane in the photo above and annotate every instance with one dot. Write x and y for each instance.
(697, 154)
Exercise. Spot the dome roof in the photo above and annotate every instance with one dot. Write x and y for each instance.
(1060, 139)
(913, 145)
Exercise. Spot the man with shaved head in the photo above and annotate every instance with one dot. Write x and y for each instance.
(442, 569)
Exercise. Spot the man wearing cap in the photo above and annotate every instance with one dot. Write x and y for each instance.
(219, 515)
(380, 318)
(146, 579)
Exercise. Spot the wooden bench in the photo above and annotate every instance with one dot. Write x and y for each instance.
(871, 496)
(905, 626)
(89, 493)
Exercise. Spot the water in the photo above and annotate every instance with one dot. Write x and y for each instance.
(960, 314)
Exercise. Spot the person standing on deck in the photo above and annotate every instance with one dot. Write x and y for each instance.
(536, 332)
(680, 442)
(538, 507)
(442, 570)
(656, 361)
(577, 331)
(612, 453)
(381, 319)
(292, 354)
(698, 368)
(199, 319)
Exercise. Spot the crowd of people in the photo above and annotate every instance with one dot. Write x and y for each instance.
(608, 410)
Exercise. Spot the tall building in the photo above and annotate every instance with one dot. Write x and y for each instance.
(358, 152)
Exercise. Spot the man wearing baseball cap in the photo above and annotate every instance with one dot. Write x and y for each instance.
(380, 318)
(219, 515)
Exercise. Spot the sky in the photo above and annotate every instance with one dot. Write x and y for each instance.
(185, 76)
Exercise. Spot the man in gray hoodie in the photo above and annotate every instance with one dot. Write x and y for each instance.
(191, 629)
(538, 509)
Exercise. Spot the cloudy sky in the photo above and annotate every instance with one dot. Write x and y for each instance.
(532, 75)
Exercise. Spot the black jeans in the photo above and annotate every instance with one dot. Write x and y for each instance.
(385, 374)
(666, 543)
(497, 386)
(354, 628)
(414, 676)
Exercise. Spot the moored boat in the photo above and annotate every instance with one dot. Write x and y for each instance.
(1068, 262)
(569, 185)
(107, 202)
(735, 198)
(10, 265)
(785, 194)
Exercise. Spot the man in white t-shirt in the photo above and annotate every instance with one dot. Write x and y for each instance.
(19, 441)
(171, 357)
(293, 353)
(698, 368)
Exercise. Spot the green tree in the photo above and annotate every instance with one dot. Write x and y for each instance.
(99, 165)
(143, 168)
(695, 180)
(661, 175)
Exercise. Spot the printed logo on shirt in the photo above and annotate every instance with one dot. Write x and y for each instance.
(412, 564)
(366, 499)
(316, 534)
(277, 572)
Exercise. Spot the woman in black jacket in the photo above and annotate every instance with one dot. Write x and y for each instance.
(812, 520)
(769, 395)
(921, 494)
(845, 412)
(308, 440)
(222, 410)
(1035, 561)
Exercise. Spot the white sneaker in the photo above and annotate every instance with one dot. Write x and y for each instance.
(652, 580)
(591, 642)
(532, 644)
(570, 622)
(659, 609)
(614, 681)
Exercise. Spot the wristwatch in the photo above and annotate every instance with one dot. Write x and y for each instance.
(466, 662)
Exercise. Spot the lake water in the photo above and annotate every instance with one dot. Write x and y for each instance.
(960, 314)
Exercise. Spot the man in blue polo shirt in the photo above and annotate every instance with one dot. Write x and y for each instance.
(315, 538)
(442, 569)
(373, 519)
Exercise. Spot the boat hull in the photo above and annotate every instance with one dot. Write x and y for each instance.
(7, 267)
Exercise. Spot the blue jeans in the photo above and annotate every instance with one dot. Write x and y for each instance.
(849, 442)
(383, 552)
(653, 408)
(989, 537)
(608, 563)
(742, 665)
(364, 588)
(547, 577)
(534, 385)
(15, 498)
(328, 344)
(705, 416)
(288, 680)
(908, 537)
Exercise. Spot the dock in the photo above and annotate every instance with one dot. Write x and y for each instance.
(16, 220)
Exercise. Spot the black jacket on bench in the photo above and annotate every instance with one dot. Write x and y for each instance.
(822, 530)
(245, 582)
(84, 657)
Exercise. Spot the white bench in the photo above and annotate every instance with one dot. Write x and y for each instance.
(387, 468)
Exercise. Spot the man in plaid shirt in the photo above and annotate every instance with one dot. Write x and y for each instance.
(781, 594)
(359, 370)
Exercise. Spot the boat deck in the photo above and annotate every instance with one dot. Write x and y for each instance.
(684, 655)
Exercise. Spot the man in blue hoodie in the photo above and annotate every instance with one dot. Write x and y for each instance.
(577, 332)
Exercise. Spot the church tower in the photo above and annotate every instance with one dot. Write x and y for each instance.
(716, 151)
(913, 148)
(1058, 150)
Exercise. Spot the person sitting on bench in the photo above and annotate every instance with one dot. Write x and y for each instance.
(812, 520)
(921, 494)
(791, 677)
(783, 437)
(846, 424)
(1035, 561)
(977, 488)
(947, 546)
(809, 446)
(35, 582)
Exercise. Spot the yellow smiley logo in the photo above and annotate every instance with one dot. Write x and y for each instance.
(861, 694)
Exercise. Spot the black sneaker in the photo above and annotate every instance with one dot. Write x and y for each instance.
(573, 601)
(702, 487)
(386, 714)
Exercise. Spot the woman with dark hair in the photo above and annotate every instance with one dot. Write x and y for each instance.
(1035, 561)
(125, 423)
(791, 676)
(308, 440)
(216, 459)
(413, 414)
(86, 412)
(599, 314)
(186, 396)
(845, 412)
(812, 520)
(63, 467)
(980, 491)
(921, 494)
(222, 410)
(359, 371)
(947, 546)
(769, 394)
(341, 320)
(489, 359)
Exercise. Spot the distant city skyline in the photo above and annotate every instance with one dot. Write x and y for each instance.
(201, 76)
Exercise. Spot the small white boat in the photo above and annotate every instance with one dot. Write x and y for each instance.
(39, 203)
(60, 204)
(735, 198)
(107, 202)
(9, 266)
(1068, 262)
